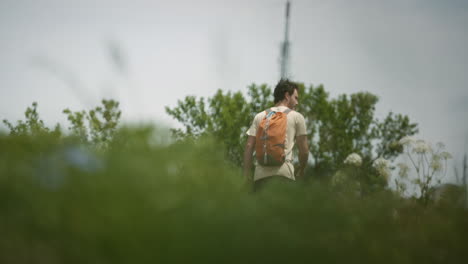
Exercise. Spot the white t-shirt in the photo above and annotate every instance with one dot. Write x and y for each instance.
(295, 127)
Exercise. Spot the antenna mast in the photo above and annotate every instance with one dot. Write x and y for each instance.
(284, 59)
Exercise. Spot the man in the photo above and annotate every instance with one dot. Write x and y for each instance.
(286, 99)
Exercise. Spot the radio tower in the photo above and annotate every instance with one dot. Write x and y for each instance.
(284, 59)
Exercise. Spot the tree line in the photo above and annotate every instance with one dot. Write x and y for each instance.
(336, 127)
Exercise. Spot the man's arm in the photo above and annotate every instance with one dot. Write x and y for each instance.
(248, 153)
(303, 147)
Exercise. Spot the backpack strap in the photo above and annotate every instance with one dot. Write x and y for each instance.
(287, 111)
(269, 112)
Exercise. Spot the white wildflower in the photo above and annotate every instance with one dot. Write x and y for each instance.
(436, 165)
(403, 170)
(353, 159)
(338, 179)
(440, 145)
(445, 155)
(406, 141)
(382, 167)
(381, 163)
(421, 147)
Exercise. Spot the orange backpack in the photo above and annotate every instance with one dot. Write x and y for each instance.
(271, 138)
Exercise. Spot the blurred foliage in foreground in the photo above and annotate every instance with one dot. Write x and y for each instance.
(142, 200)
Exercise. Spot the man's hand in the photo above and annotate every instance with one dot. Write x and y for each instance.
(248, 153)
(299, 172)
(303, 147)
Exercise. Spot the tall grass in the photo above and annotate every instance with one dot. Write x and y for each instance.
(144, 200)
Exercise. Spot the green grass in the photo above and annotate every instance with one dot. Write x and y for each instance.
(144, 200)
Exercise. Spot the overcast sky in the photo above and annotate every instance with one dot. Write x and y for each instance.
(148, 54)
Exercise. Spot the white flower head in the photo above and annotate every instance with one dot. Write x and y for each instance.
(445, 155)
(382, 167)
(436, 165)
(440, 145)
(407, 140)
(421, 147)
(338, 179)
(353, 159)
(403, 170)
(381, 163)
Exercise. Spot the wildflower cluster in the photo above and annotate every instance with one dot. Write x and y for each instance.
(349, 178)
(383, 167)
(430, 164)
(354, 160)
(403, 170)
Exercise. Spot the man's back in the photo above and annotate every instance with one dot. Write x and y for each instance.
(286, 96)
(295, 127)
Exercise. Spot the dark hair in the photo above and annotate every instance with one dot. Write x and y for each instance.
(283, 86)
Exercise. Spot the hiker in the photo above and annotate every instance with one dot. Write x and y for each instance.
(272, 136)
